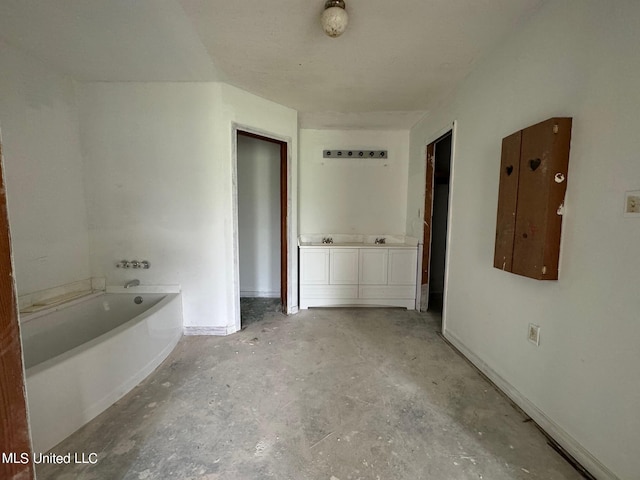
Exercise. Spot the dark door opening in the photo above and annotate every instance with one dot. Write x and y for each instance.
(262, 225)
(435, 223)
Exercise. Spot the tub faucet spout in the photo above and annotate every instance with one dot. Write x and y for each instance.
(132, 283)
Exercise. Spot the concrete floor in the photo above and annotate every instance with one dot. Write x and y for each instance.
(328, 394)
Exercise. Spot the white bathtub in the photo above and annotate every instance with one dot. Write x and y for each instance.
(81, 359)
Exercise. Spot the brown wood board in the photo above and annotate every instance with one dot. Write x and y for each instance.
(14, 436)
(507, 201)
(537, 231)
(428, 207)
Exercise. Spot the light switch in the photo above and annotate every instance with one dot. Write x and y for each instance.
(632, 204)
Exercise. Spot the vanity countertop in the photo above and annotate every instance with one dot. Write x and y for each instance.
(356, 245)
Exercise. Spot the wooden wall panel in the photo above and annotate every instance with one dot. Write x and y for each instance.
(507, 201)
(533, 182)
(544, 153)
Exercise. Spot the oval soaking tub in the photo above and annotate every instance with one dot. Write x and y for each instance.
(81, 359)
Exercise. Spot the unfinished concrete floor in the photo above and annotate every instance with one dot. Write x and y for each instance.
(326, 394)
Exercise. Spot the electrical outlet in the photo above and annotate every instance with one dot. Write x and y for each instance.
(534, 334)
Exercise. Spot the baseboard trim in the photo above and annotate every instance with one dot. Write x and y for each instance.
(552, 429)
(259, 294)
(218, 331)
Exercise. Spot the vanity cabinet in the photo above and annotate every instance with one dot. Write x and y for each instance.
(334, 276)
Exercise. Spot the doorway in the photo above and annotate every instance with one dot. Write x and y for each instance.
(262, 225)
(436, 223)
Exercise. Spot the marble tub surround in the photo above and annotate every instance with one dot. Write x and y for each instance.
(51, 297)
(145, 289)
(59, 303)
(352, 239)
(36, 304)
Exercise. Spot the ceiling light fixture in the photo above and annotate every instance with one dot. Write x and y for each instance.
(334, 18)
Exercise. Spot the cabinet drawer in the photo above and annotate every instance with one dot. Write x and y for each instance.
(328, 291)
(387, 291)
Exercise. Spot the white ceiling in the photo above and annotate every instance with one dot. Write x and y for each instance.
(385, 71)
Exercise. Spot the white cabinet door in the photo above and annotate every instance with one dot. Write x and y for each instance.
(344, 266)
(373, 266)
(314, 266)
(402, 266)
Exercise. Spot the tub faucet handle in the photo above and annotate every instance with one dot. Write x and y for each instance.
(123, 264)
(145, 264)
(135, 264)
(132, 283)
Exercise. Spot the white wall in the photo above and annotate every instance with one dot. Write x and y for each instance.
(43, 169)
(259, 217)
(159, 176)
(353, 195)
(579, 59)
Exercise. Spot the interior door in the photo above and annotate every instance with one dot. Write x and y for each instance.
(428, 216)
(14, 436)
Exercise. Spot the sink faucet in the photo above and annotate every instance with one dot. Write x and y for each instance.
(132, 283)
(381, 241)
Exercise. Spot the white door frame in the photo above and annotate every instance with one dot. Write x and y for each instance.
(432, 138)
(292, 241)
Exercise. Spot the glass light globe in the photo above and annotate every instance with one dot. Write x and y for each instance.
(334, 21)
